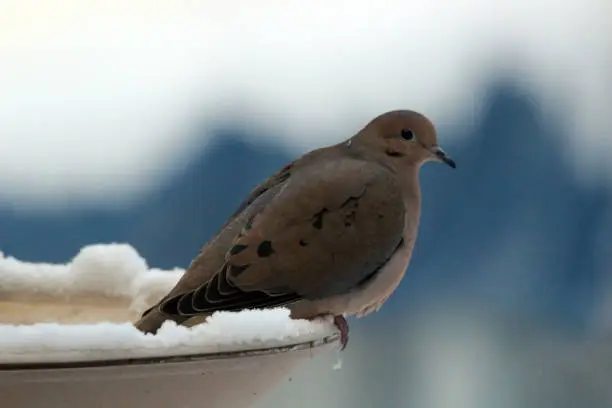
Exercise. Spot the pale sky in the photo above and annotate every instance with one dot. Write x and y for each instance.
(100, 96)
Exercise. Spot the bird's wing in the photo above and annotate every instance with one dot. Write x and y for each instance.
(212, 255)
(328, 230)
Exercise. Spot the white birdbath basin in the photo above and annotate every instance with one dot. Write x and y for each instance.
(66, 340)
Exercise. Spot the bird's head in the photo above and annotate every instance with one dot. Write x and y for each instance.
(405, 137)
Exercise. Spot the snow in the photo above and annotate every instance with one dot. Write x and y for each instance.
(113, 270)
(117, 270)
(225, 332)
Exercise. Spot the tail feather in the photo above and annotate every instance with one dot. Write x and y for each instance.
(152, 320)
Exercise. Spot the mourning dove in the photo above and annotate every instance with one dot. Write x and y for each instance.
(330, 234)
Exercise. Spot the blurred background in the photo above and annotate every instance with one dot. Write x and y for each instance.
(147, 122)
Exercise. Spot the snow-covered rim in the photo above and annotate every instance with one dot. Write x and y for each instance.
(236, 333)
(70, 362)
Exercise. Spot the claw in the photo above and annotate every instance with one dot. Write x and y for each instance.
(343, 326)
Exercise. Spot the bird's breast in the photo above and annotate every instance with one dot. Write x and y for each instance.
(378, 290)
(370, 296)
(367, 298)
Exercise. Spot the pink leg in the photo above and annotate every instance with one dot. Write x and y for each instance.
(343, 326)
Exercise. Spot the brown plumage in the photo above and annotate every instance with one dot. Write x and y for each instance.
(329, 234)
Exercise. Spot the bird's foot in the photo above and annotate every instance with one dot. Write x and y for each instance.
(343, 326)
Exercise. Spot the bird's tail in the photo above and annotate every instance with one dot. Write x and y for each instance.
(152, 320)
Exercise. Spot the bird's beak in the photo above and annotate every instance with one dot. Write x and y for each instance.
(442, 156)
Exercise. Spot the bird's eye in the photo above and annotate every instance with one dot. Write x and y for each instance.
(407, 134)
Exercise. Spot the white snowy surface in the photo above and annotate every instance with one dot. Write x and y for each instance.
(118, 270)
(224, 332)
(115, 270)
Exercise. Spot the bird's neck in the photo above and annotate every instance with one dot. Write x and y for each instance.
(409, 178)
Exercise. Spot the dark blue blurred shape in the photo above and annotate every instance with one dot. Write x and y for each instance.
(510, 226)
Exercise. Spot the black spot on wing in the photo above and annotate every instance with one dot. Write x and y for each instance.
(352, 202)
(350, 206)
(249, 224)
(303, 243)
(238, 248)
(317, 219)
(234, 271)
(265, 249)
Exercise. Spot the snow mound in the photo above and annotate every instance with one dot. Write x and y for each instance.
(113, 270)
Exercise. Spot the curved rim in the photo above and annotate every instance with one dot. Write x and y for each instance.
(170, 359)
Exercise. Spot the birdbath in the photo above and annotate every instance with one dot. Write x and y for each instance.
(66, 340)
